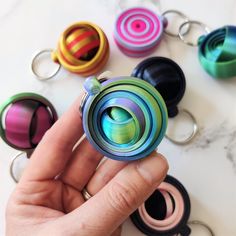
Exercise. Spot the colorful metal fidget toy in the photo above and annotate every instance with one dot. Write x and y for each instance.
(217, 52)
(125, 118)
(83, 48)
(24, 119)
(138, 31)
(216, 49)
(166, 211)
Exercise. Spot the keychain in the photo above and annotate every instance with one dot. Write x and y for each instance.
(124, 118)
(138, 31)
(166, 212)
(83, 49)
(25, 118)
(169, 80)
(216, 49)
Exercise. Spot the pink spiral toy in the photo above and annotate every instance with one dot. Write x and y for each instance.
(138, 31)
(166, 211)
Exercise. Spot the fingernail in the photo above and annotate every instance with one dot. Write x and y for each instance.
(153, 168)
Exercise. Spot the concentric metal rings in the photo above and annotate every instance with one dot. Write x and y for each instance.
(24, 118)
(83, 49)
(189, 23)
(193, 133)
(217, 52)
(138, 31)
(174, 12)
(166, 211)
(34, 66)
(126, 119)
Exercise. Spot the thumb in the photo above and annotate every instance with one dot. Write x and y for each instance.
(105, 211)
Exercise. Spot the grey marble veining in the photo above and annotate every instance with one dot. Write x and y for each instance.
(207, 166)
(223, 134)
(5, 13)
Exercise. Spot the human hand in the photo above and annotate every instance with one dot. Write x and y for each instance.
(48, 198)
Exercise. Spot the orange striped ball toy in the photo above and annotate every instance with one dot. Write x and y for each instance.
(83, 49)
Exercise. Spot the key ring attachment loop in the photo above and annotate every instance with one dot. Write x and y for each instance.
(101, 78)
(189, 23)
(34, 66)
(191, 136)
(11, 168)
(202, 224)
(181, 15)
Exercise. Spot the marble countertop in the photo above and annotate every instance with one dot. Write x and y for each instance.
(207, 166)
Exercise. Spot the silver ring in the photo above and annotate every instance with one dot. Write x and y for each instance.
(16, 180)
(192, 135)
(34, 70)
(83, 100)
(202, 224)
(192, 22)
(104, 76)
(178, 13)
(86, 194)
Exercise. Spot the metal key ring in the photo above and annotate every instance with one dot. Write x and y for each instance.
(83, 100)
(192, 22)
(192, 135)
(202, 224)
(34, 70)
(178, 13)
(16, 180)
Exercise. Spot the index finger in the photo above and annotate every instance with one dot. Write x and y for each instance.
(54, 150)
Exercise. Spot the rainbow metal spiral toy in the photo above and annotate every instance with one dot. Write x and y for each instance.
(124, 118)
(217, 52)
(24, 119)
(83, 48)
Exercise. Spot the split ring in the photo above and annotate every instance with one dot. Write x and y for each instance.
(192, 135)
(178, 13)
(202, 224)
(192, 22)
(11, 169)
(35, 71)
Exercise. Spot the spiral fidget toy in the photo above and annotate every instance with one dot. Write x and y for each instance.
(166, 76)
(166, 211)
(124, 118)
(217, 52)
(138, 31)
(83, 48)
(25, 118)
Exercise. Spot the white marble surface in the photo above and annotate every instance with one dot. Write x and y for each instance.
(207, 166)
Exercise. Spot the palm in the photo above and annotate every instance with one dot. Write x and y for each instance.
(51, 199)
